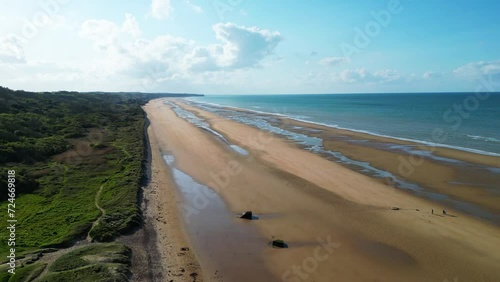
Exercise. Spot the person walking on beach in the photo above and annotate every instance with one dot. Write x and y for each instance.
(432, 211)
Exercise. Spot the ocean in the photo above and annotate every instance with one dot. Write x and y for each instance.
(470, 121)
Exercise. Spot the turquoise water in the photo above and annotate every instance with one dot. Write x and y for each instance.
(470, 121)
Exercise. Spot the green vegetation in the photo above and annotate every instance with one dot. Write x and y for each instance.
(4, 275)
(88, 255)
(97, 262)
(64, 147)
(28, 272)
(111, 272)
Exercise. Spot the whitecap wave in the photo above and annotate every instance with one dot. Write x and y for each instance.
(483, 138)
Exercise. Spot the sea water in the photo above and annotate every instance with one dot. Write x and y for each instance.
(470, 121)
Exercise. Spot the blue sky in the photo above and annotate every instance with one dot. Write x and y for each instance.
(249, 47)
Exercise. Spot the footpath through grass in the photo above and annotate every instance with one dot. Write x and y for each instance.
(97, 262)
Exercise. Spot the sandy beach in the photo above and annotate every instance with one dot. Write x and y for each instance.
(455, 180)
(337, 222)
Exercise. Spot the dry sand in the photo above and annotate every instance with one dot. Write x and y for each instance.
(303, 198)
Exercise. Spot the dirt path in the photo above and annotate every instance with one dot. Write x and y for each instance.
(97, 197)
(49, 258)
(103, 212)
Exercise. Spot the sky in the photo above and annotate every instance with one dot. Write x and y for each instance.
(249, 46)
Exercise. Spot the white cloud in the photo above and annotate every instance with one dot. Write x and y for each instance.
(130, 26)
(61, 22)
(161, 9)
(352, 76)
(387, 75)
(107, 34)
(477, 69)
(155, 60)
(332, 61)
(362, 75)
(40, 72)
(11, 50)
(169, 58)
(101, 32)
(240, 47)
(125, 53)
(202, 58)
(431, 75)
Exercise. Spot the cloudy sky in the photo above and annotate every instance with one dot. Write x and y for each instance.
(249, 46)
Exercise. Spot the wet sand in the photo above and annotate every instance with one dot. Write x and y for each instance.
(466, 180)
(207, 221)
(307, 201)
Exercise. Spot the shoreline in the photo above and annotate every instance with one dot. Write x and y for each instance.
(453, 180)
(439, 149)
(328, 201)
(461, 182)
(360, 132)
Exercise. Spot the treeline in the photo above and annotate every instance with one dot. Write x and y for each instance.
(35, 126)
